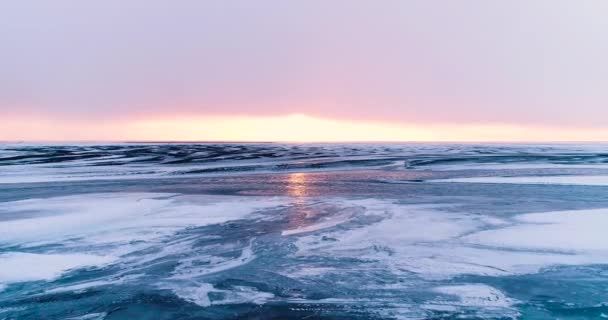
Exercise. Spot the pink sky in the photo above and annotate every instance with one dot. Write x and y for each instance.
(406, 70)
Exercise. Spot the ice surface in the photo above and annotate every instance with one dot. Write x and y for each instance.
(476, 295)
(20, 266)
(324, 224)
(189, 268)
(199, 294)
(90, 316)
(483, 301)
(576, 231)
(83, 286)
(344, 244)
(119, 217)
(438, 244)
(564, 180)
(96, 229)
(513, 166)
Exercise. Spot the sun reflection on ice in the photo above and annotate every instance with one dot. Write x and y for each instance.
(297, 186)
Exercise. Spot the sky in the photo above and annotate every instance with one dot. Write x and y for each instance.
(304, 70)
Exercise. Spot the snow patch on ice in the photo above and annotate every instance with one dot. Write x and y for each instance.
(190, 268)
(332, 222)
(119, 217)
(86, 285)
(475, 295)
(558, 180)
(20, 266)
(94, 227)
(304, 272)
(576, 231)
(511, 166)
(199, 295)
(90, 316)
(437, 244)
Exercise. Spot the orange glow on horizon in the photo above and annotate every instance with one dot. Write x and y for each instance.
(292, 128)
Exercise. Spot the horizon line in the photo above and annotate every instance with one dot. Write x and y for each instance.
(302, 142)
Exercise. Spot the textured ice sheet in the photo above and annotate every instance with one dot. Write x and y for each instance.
(189, 268)
(437, 244)
(305, 256)
(96, 229)
(118, 217)
(38, 163)
(425, 245)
